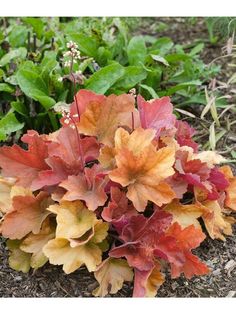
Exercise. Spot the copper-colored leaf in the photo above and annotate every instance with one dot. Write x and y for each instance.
(27, 215)
(102, 119)
(25, 165)
(88, 187)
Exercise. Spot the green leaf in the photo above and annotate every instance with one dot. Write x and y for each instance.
(2, 73)
(48, 64)
(175, 57)
(163, 45)
(18, 36)
(136, 50)
(36, 23)
(18, 260)
(20, 108)
(150, 90)
(196, 49)
(9, 124)
(87, 45)
(84, 64)
(160, 59)
(132, 76)
(105, 78)
(181, 86)
(4, 87)
(13, 54)
(33, 85)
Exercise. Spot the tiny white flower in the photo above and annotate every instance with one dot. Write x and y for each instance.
(67, 63)
(60, 79)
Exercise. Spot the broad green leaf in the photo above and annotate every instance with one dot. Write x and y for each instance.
(132, 76)
(105, 78)
(48, 64)
(103, 55)
(160, 59)
(136, 50)
(13, 54)
(163, 45)
(4, 87)
(175, 57)
(36, 23)
(9, 124)
(11, 80)
(150, 90)
(18, 36)
(33, 85)
(87, 45)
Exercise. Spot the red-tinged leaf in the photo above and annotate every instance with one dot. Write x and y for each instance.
(66, 147)
(64, 157)
(88, 187)
(137, 255)
(218, 179)
(146, 283)
(25, 165)
(194, 172)
(118, 207)
(27, 215)
(184, 135)
(178, 185)
(192, 267)
(187, 239)
(83, 99)
(141, 238)
(156, 114)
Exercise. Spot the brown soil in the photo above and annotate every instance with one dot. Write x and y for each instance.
(50, 281)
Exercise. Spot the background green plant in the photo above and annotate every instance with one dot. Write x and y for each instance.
(113, 61)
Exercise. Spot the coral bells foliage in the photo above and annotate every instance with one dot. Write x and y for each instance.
(121, 188)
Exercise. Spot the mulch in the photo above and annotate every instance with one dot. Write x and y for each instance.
(51, 281)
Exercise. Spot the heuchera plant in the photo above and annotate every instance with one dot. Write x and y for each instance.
(121, 188)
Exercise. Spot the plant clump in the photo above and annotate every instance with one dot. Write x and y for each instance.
(120, 188)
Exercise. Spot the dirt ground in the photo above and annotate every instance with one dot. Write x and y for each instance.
(50, 281)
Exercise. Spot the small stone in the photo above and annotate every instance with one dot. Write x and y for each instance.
(216, 272)
(231, 294)
(230, 264)
(174, 285)
(18, 278)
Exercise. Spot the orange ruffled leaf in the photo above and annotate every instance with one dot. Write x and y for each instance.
(142, 168)
(102, 119)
